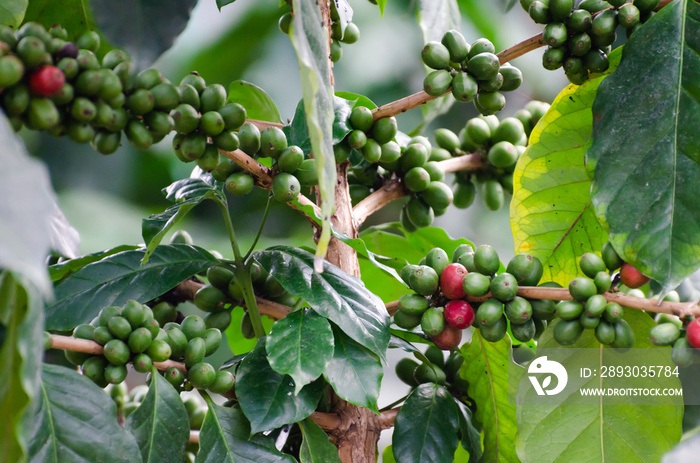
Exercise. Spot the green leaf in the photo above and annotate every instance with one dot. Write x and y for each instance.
(486, 368)
(65, 240)
(186, 193)
(74, 420)
(382, 5)
(471, 439)
(551, 212)
(27, 202)
(255, 100)
(310, 40)
(144, 28)
(629, 433)
(645, 146)
(120, 277)
(12, 12)
(75, 15)
(222, 3)
(300, 345)
(360, 246)
(426, 426)
(333, 294)
(355, 373)
(315, 446)
(224, 438)
(22, 320)
(160, 424)
(267, 398)
(59, 271)
(356, 99)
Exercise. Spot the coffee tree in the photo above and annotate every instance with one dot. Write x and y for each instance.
(604, 213)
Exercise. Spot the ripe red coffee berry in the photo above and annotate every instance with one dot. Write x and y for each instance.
(692, 333)
(631, 277)
(459, 314)
(46, 81)
(451, 281)
(448, 339)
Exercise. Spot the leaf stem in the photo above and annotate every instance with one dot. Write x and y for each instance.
(231, 233)
(394, 404)
(260, 229)
(242, 274)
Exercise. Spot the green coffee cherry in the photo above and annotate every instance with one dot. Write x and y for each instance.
(209, 299)
(503, 154)
(613, 312)
(518, 310)
(407, 321)
(604, 23)
(219, 320)
(476, 284)
(143, 363)
(524, 332)
(415, 155)
(456, 45)
(356, 139)
(605, 332)
(174, 376)
(249, 138)
(429, 373)
(119, 327)
(177, 341)
(273, 142)
(682, 353)
(567, 332)
(384, 130)
(94, 368)
(569, 310)
(227, 141)
(494, 332)
(139, 340)
(543, 309)
(164, 312)
(560, 9)
(42, 114)
(212, 98)
(432, 321)
(512, 77)
(419, 213)
(645, 6)
(553, 58)
(436, 172)
(539, 12)
(624, 335)
(489, 312)
(405, 371)
(435, 55)
(611, 258)
(504, 287)
(437, 83)
(591, 264)
(193, 326)
(555, 34)
(212, 340)
(595, 306)
(413, 304)
(201, 375)
(481, 45)
(464, 87)
(417, 179)
(582, 288)
(195, 351)
(437, 195)
(371, 151)
(488, 103)
(117, 352)
(159, 350)
(240, 183)
(134, 312)
(223, 382)
(579, 21)
(285, 187)
(361, 118)
(483, 66)
(464, 195)
(424, 280)
(664, 334)
(193, 146)
(486, 260)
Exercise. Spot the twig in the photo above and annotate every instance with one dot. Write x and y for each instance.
(519, 49)
(91, 347)
(394, 189)
(194, 437)
(263, 178)
(264, 124)
(327, 421)
(681, 309)
(386, 419)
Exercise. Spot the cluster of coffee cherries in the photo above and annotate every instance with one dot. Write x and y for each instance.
(441, 287)
(437, 369)
(127, 401)
(143, 336)
(292, 170)
(223, 293)
(339, 35)
(580, 38)
(500, 143)
(472, 72)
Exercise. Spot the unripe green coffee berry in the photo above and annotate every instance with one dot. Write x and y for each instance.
(213, 98)
(212, 340)
(384, 130)
(437, 83)
(285, 187)
(201, 375)
(456, 45)
(496, 331)
(222, 383)
(159, 350)
(117, 352)
(435, 55)
(139, 340)
(464, 87)
(437, 195)
(249, 138)
(371, 151)
(174, 376)
(177, 342)
(273, 142)
(193, 326)
(119, 327)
